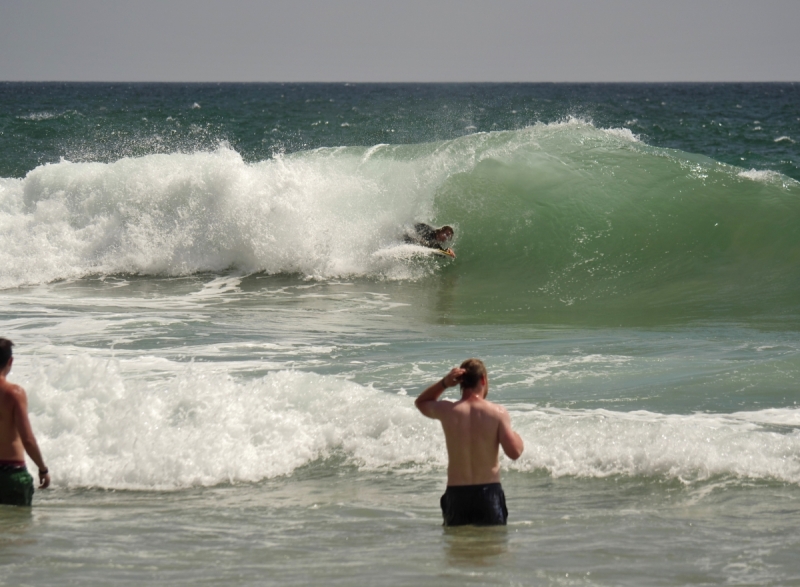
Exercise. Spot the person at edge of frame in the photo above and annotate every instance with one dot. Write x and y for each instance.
(16, 439)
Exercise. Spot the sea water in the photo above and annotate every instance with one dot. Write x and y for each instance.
(221, 335)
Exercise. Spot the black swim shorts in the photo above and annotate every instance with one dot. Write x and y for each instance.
(480, 505)
(16, 486)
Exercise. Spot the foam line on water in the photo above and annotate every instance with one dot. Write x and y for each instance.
(189, 424)
(202, 427)
(599, 443)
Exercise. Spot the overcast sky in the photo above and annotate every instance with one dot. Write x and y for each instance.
(400, 40)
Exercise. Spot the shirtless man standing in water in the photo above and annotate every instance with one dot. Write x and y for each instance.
(16, 438)
(474, 430)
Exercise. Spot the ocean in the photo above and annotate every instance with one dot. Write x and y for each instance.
(221, 331)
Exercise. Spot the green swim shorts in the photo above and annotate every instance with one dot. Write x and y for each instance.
(16, 486)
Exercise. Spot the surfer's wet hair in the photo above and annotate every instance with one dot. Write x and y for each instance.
(5, 352)
(446, 228)
(474, 371)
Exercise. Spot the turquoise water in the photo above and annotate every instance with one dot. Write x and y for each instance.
(222, 335)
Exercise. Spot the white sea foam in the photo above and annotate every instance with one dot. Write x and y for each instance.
(45, 115)
(317, 214)
(623, 133)
(601, 443)
(544, 368)
(768, 177)
(202, 427)
(169, 425)
(759, 175)
(590, 130)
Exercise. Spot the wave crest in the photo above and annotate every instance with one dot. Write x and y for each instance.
(561, 215)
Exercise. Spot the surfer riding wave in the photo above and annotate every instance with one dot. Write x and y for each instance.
(427, 236)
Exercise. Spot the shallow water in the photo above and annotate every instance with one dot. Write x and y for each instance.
(326, 525)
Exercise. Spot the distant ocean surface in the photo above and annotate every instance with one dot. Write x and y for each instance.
(222, 334)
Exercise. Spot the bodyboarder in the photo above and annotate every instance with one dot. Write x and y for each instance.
(16, 438)
(474, 431)
(425, 235)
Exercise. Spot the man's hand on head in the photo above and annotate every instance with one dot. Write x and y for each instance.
(428, 401)
(453, 377)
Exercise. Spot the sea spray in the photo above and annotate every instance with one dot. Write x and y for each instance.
(319, 215)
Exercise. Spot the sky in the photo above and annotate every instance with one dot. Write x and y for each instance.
(400, 40)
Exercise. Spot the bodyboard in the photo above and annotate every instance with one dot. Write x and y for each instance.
(408, 251)
(444, 253)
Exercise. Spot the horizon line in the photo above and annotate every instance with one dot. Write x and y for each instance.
(350, 82)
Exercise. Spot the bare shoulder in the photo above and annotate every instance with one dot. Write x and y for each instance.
(496, 409)
(444, 405)
(436, 409)
(500, 408)
(11, 392)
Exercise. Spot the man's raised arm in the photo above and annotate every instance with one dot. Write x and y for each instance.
(427, 402)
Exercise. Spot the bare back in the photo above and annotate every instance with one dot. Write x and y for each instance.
(11, 447)
(474, 430)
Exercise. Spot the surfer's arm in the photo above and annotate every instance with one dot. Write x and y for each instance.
(428, 401)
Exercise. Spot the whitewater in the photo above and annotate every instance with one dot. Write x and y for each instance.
(222, 333)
